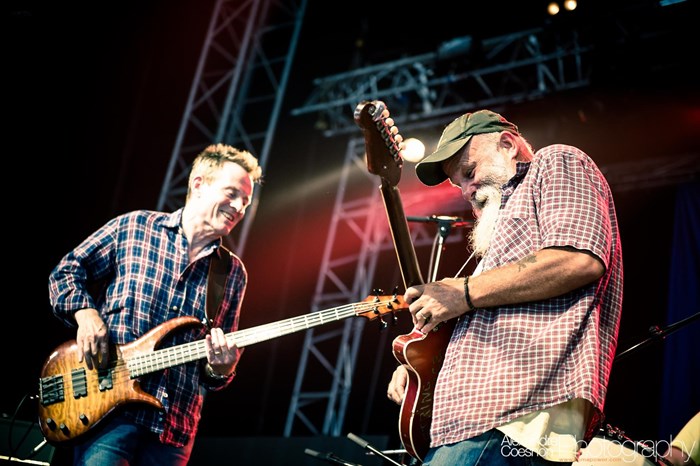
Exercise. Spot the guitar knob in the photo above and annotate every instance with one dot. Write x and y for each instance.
(84, 419)
(64, 429)
(51, 424)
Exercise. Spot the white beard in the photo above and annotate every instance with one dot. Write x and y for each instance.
(486, 205)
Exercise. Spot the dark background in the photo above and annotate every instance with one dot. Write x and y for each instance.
(93, 97)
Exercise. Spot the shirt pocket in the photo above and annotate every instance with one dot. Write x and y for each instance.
(513, 239)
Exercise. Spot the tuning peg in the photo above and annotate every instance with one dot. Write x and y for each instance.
(395, 292)
(377, 292)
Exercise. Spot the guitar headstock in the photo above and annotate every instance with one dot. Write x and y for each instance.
(383, 157)
(376, 306)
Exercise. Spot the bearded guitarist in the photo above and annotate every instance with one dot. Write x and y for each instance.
(524, 376)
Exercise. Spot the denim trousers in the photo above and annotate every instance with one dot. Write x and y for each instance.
(122, 443)
(490, 448)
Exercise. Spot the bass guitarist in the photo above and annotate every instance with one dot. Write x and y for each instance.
(525, 371)
(154, 267)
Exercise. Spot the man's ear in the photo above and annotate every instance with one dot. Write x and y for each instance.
(197, 182)
(509, 142)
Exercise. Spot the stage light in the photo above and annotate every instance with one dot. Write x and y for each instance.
(414, 150)
(570, 5)
(553, 8)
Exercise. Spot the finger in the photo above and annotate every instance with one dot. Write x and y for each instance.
(217, 336)
(417, 317)
(209, 343)
(89, 360)
(421, 319)
(412, 294)
(81, 353)
(220, 339)
(104, 354)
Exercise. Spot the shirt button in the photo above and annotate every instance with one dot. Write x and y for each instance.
(173, 308)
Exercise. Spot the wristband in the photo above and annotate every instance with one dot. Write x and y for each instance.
(470, 305)
(210, 372)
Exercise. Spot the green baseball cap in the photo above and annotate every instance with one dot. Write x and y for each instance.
(454, 137)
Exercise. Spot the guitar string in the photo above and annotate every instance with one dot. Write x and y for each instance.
(144, 361)
(471, 256)
(197, 349)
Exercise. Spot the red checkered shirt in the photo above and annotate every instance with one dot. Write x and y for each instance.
(508, 361)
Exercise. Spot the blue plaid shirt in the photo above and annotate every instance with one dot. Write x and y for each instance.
(140, 262)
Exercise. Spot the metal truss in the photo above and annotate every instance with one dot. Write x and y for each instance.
(463, 73)
(237, 92)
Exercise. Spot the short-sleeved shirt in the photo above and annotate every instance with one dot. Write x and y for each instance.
(508, 361)
(135, 271)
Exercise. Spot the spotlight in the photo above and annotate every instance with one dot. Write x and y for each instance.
(554, 9)
(413, 151)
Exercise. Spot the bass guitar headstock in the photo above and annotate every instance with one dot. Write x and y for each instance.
(383, 150)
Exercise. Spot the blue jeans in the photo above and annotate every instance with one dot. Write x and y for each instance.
(489, 448)
(123, 443)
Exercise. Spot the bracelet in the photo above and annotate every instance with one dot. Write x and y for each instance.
(470, 305)
(210, 372)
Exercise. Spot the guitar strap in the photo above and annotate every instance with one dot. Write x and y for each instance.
(216, 281)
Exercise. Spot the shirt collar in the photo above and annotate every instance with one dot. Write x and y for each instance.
(174, 220)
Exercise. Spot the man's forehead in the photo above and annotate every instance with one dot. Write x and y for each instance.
(455, 161)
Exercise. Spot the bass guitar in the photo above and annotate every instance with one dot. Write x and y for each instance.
(421, 354)
(74, 399)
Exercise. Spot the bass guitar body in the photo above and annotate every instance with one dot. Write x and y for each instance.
(74, 399)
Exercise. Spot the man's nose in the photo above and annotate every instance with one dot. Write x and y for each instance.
(468, 190)
(237, 204)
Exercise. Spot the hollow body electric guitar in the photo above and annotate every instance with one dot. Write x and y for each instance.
(73, 399)
(422, 354)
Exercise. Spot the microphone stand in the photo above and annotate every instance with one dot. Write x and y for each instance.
(658, 333)
(329, 457)
(445, 225)
(365, 444)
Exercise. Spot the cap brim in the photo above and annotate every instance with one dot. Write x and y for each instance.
(429, 170)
